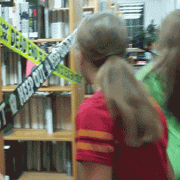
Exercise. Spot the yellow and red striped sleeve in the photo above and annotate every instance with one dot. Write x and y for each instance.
(94, 132)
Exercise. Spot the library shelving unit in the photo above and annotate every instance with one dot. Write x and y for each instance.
(75, 13)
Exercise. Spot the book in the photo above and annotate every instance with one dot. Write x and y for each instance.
(11, 67)
(37, 25)
(38, 157)
(64, 156)
(56, 30)
(46, 20)
(66, 23)
(41, 113)
(11, 15)
(15, 69)
(19, 68)
(69, 160)
(59, 19)
(29, 68)
(59, 156)
(41, 22)
(24, 155)
(5, 13)
(67, 113)
(29, 155)
(24, 18)
(46, 156)
(33, 113)
(58, 112)
(17, 121)
(49, 115)
(33, 26)
(26, 117)
(3, 68)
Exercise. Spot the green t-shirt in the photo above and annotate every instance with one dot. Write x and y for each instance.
(153, 84)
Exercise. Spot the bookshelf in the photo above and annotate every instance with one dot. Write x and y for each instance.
(41, 89)
(75, 14)
(39, 135)
(44, 176)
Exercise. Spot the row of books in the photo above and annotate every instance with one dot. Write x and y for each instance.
(59, 22)
(12, 72)
(16, 68)
(45, 112)
(37, 156)
(53, 4)
(34, 19)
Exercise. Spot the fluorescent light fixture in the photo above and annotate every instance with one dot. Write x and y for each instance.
(131, 11)
(134, 8)
(137, 4)
(131, 16)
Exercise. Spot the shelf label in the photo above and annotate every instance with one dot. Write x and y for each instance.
(47, 64)
(14, 40)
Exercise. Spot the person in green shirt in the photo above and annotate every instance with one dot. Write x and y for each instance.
(162, 80)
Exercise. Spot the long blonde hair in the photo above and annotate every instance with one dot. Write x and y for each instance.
(103, 39)
(168, 64)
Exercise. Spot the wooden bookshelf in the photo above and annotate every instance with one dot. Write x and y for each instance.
(44, 176)
(39, 135)
(47, 40)
(41, 89)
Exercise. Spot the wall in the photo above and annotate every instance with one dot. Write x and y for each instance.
(154, 9)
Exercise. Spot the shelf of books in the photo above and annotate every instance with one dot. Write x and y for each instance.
(40, 135)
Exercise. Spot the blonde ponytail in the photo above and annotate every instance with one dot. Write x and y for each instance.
(127, 98)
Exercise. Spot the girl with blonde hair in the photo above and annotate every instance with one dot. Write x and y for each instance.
(162, 80)
(121, 131)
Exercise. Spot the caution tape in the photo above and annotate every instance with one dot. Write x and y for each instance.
(14, 40)
(47, 64)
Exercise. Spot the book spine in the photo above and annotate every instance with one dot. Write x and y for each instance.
(69, 160)
(49, 115)
(11, 66)
(46, 19)
(33, 111)
(34, 24)
(17, 121)
(19, 69)
(41, 112)
(24, 17)
(11, 15)
(41, 23)
(3, 68)
(59, 157)
(29, 154)
(15, 69)
(26, 118)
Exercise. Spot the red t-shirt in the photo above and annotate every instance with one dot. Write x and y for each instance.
(95, 142)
